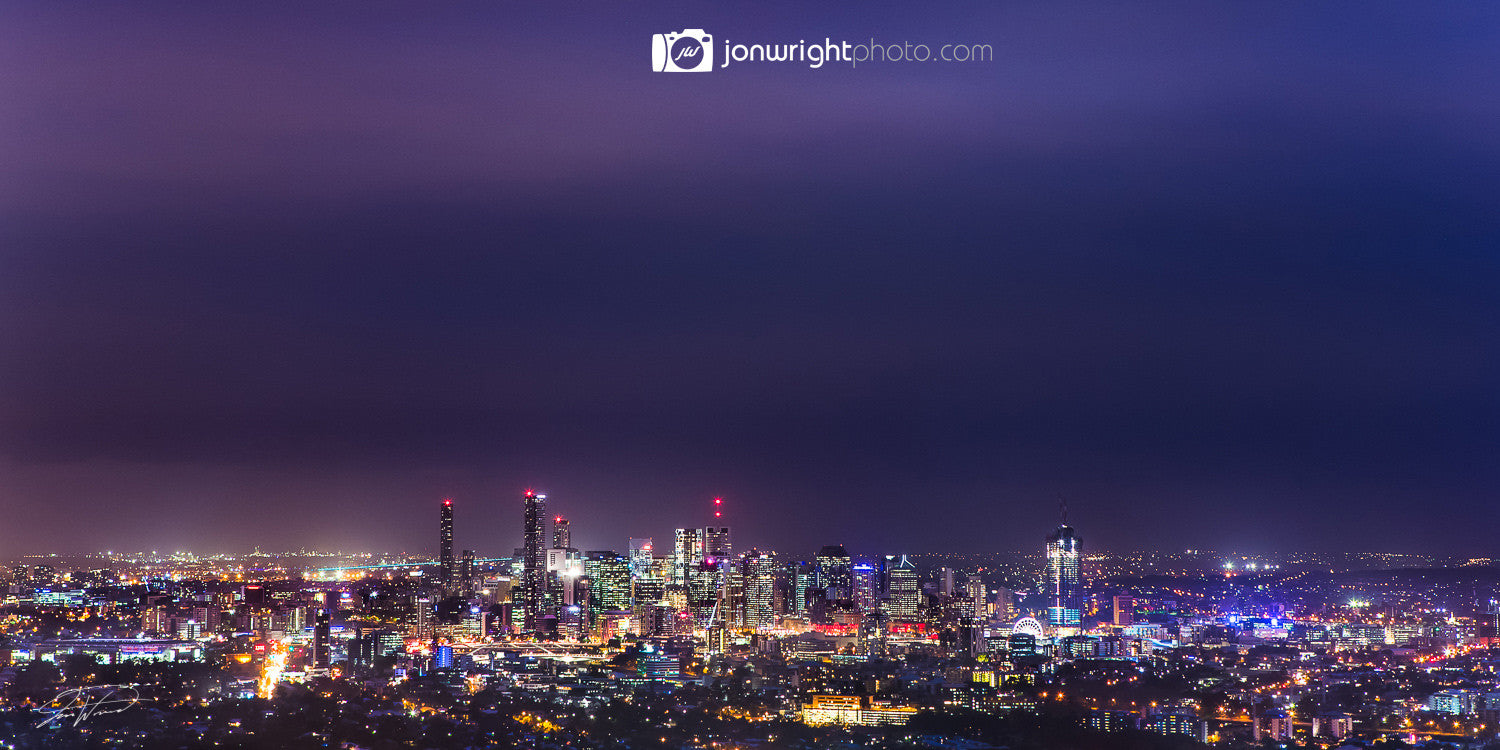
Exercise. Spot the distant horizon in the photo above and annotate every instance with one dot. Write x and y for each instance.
(1203, 552)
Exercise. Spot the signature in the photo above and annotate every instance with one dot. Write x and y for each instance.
(79, 704)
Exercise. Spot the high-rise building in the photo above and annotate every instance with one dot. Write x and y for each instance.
(835, 573)
(979, 594)
(801, 578)
(322, 655)
(446, 564)
(534, 577)
(705, 581)
(686, 554)
(716, 543)
(1124, 610)
(640, 557)
(466, 573)
(866, 596)
(1062, 580)
(906, 594)
(609, 581)
(758, 577)
(562, 536)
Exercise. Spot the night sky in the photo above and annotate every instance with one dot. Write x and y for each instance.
(1223, 275)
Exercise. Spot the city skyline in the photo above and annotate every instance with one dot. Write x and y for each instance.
(1223, 277)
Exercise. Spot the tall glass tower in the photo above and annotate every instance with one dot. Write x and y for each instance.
(534, 578)
(1062, 580)
(446, 563)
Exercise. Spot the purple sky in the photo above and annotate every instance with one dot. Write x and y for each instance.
(1226, 276)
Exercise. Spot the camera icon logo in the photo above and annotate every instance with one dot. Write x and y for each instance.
(686, 51)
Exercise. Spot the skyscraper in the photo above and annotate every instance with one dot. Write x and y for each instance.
(906, 595)
(865, 588)
(534, 578)
(609, 581)
(1062, 580)
(716, 543)
(447, 567)
(835, 573)
(640, 557)
(704, 585)
(562, 537)
(758, 576)
(687, 553)
(466, 573)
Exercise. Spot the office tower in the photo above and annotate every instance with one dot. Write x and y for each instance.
(717, 551)
(534, 577)
(1062, 581)
(609, 581)
(757, 574)
(905, 602)
(866, 596)
(945, 581)
(640, 557)
(1124, 610)
(687, 553)
(716, 543)
(804, 579)
(466, 573)
(979, 595)
(732, 605)
(704, 580)
(562, 537)
(322, 655)
(445, 544)
(834, 573)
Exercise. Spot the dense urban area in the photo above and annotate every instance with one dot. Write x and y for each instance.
(696, 644)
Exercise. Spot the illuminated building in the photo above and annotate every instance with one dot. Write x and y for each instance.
(687, 553)
(866, 595)
(1061, 579)
(802, 578)
(446, 567)
(716, 543)
(534, 577)
(466, 573)
(906, 595)
(562, 536)
(1124, 610)
(640, 557)
(649, 591)
(822, 710)
(322, 655)
(979, 595)
(609, 581)
(119, 650)
(834, 573)
(757, 573)
(703, 593)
